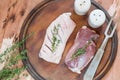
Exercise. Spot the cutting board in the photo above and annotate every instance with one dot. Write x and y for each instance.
(38, 21)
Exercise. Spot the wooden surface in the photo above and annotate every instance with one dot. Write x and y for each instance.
(13, 13)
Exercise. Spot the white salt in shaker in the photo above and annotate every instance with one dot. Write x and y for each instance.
(81, 7)
(96, 18)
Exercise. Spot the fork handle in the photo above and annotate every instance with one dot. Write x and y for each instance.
(96, 60)
(104, 43)
(93, 66)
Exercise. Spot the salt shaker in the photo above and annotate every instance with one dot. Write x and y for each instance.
(81, 7)
(96, 18)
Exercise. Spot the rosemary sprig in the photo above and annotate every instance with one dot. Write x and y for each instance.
(55, 39)
(81, 51)
(78, 53)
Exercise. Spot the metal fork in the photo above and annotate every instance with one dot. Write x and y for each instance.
(89, 74)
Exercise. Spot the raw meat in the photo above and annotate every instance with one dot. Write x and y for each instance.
(56, 37)
(82, 50)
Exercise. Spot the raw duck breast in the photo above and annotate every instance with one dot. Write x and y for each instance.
(56, 38)
(82, 50)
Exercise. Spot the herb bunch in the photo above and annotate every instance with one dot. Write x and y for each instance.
(11, 68)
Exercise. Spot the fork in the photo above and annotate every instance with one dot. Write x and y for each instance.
(89, 74)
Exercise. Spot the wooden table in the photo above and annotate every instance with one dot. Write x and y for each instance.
(14, 12)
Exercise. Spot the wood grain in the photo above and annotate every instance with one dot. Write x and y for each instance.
(9, 30)
(12, 15)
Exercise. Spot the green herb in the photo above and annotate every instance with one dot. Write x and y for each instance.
(78, 53)
(80, 50)
(16, 45)
(9, 71)
(15, 58)
(55, 39)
